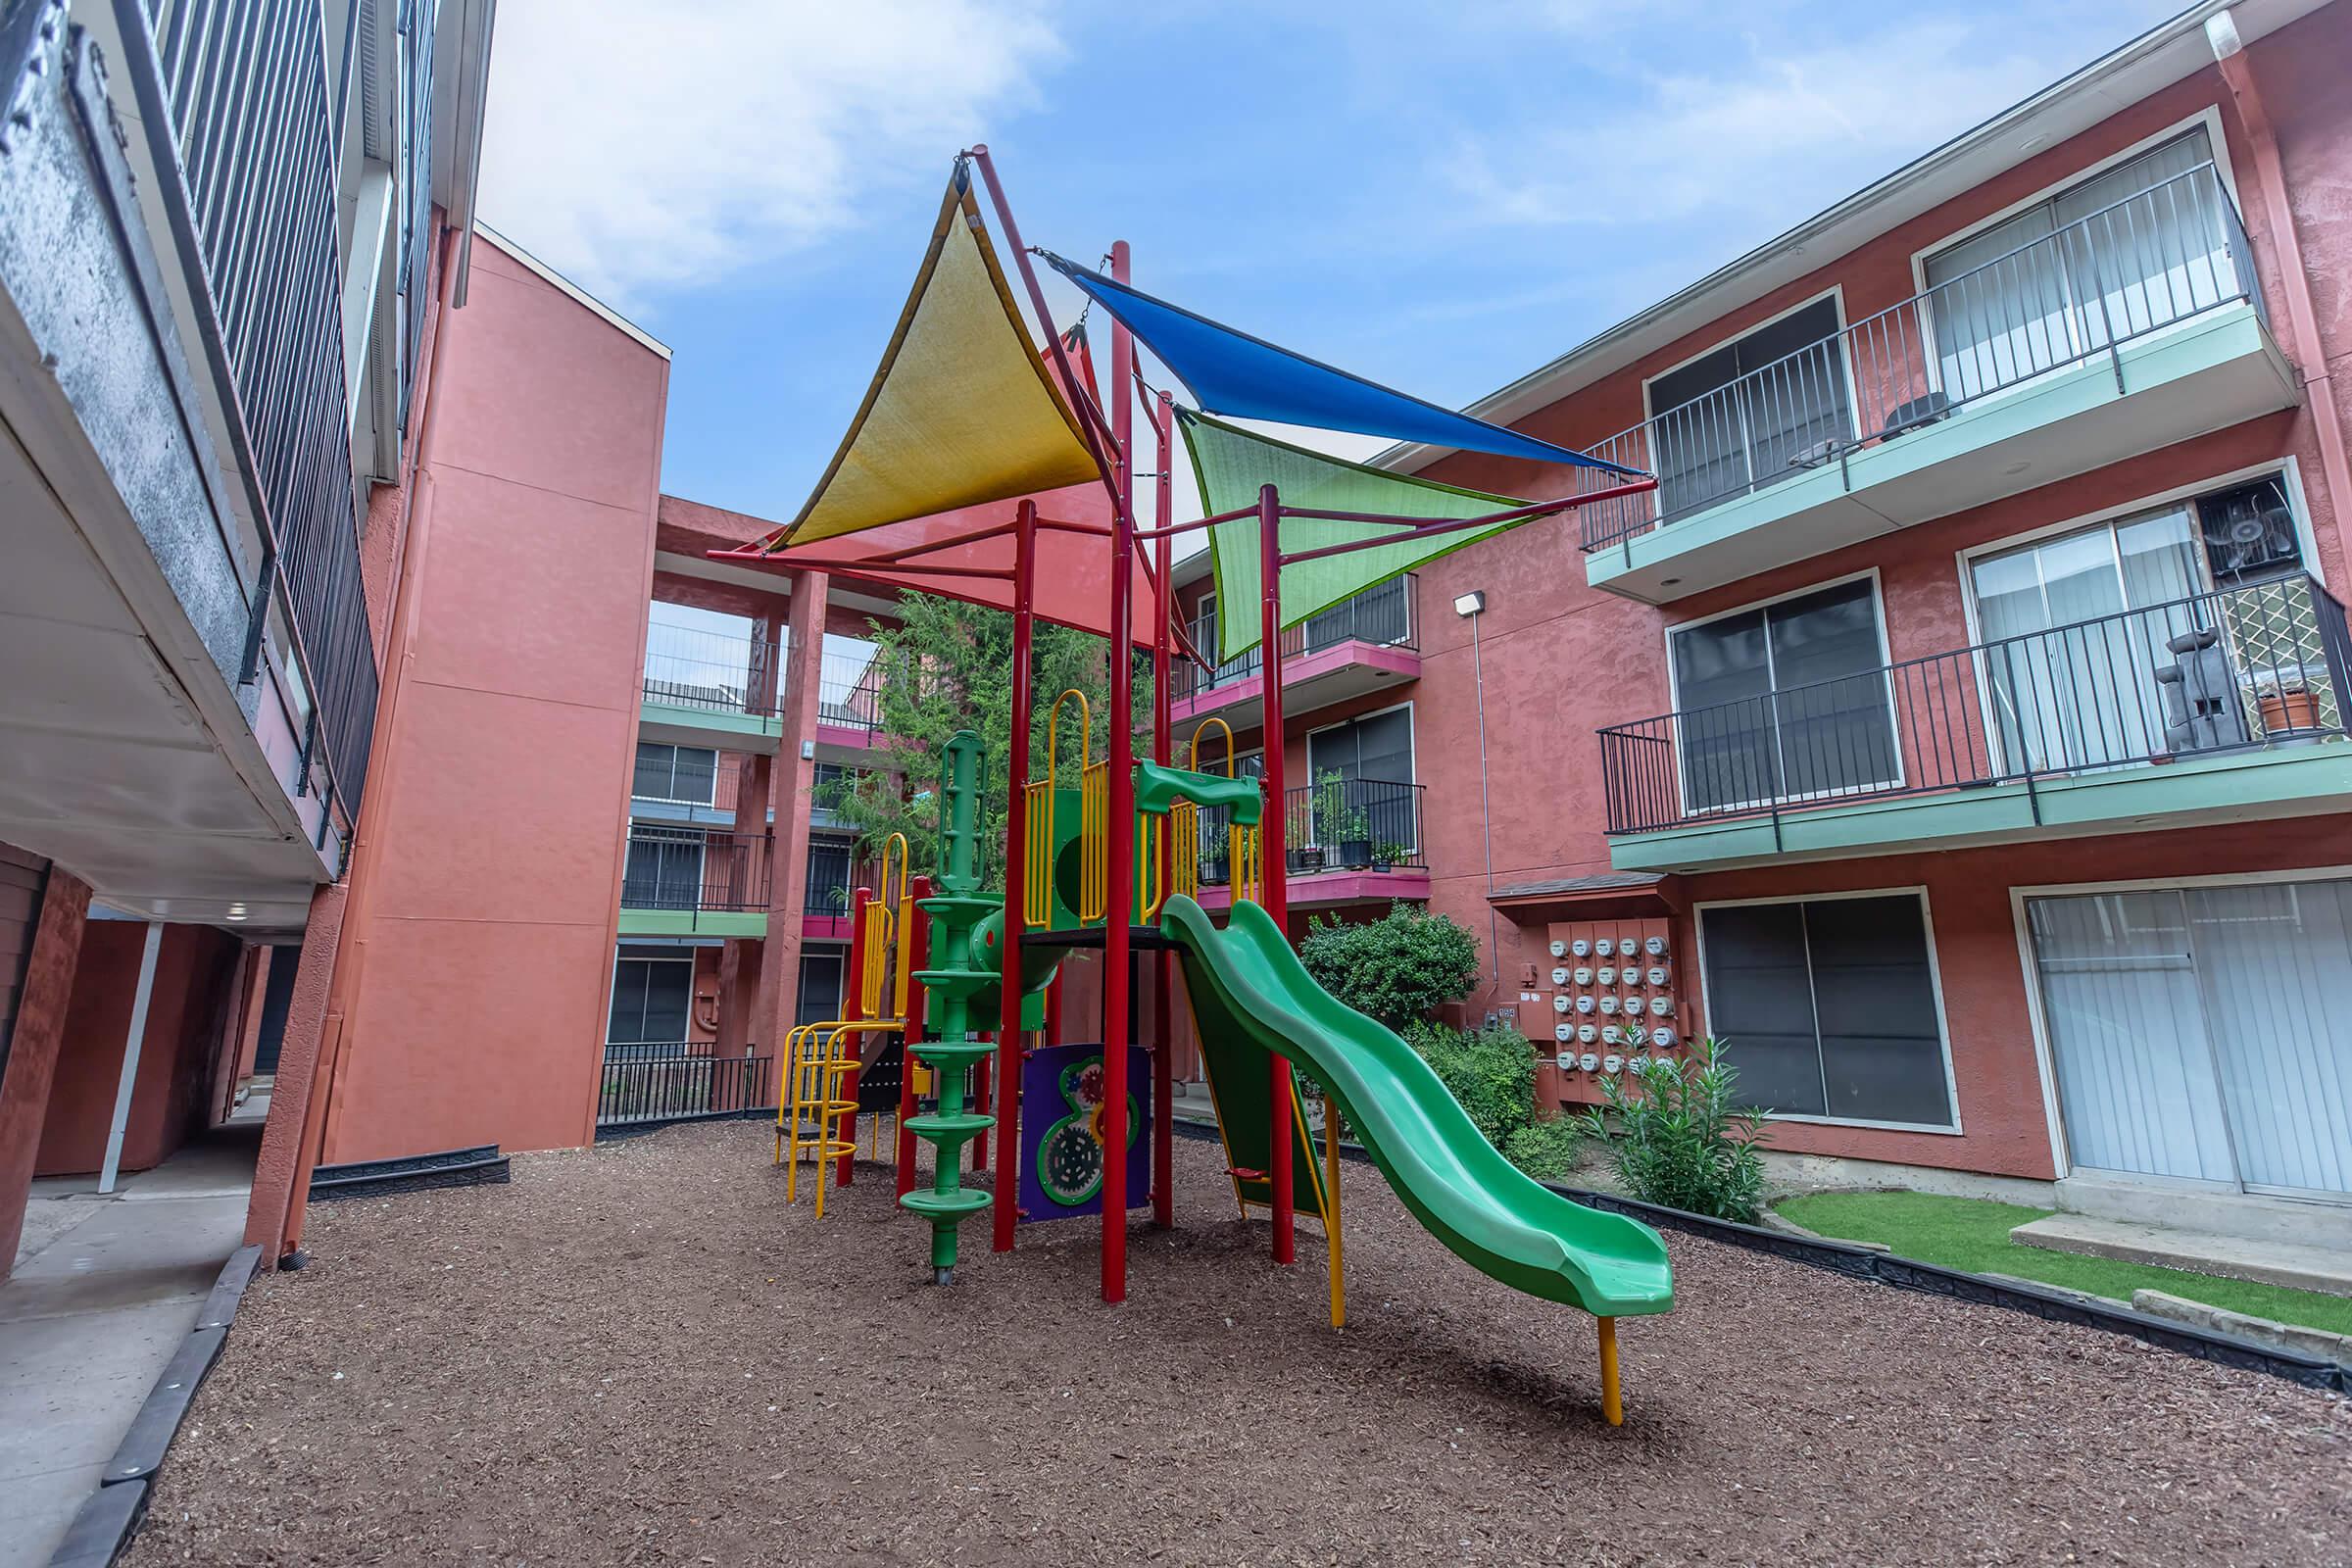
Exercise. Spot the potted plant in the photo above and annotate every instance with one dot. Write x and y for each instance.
(1215, 868)
(2288, 704)
(1304, 860)
(1385, 856)
(1340, 821)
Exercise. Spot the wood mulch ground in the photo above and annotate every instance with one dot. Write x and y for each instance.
(638, 1354)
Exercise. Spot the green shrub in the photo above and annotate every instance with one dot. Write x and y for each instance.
(1679, 1137)
(1490, 1072)
(1398, 968)
(1548, 1150)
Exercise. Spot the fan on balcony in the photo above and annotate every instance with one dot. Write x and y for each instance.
(2249, 531)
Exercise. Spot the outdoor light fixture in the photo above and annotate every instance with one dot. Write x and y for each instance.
(1471, 602)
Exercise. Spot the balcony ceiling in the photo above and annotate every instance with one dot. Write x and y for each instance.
(105, 766)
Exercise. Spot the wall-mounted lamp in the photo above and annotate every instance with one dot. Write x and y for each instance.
(1471, 602)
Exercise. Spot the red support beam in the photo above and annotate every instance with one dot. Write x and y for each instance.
(1118, 903)
(1273, 875)
(1006, 1213)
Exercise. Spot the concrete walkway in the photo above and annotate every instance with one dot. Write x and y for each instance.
(105, 1290)
(2269, 1261)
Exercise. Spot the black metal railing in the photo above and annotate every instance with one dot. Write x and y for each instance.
(249, 183)
(666, 1081)
(2163, 254)
(832, 878)
(850, 696)
(418, 21)
(1387, 615)
(2203, 675)
(695, 869)
(687, 667)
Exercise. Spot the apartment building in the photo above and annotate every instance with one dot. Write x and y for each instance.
(228, 238)
(1965, 714)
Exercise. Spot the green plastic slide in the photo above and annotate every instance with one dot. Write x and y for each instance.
(1251, 994)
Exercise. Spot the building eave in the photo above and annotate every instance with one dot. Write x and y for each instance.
(2170, 52)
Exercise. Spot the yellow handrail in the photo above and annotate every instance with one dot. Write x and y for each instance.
(1093, 859)
(1192, 757)
(1037, 901)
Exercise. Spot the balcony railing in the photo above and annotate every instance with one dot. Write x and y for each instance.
(668, 1081)
(716, 671)
(1358, 825)
(234, 99)
(2166, 253)
(2205, 675)
(851, 698)
(694, 870)
(1388, 616)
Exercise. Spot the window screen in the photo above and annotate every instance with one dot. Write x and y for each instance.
(685, 773)
(1828, 1007)
(650, 1000)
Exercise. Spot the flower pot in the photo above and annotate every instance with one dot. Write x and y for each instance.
(1214, 873)
(2284, 711)
(1300, 862)
(1355, 853)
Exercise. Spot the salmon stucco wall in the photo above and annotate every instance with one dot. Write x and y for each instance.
(481, 1011)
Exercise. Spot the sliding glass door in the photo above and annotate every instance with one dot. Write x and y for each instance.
(2198, 1032)
(1751, 412)
(2075, 630)
(1788, 701)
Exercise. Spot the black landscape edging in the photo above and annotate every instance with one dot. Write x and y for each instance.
(1910, 1274)
(112, 1513)
(2051, 1305)
(480, 1167)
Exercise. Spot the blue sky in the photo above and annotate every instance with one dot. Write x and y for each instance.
(1439, 197)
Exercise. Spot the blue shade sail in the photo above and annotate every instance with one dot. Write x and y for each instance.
(1243, 378)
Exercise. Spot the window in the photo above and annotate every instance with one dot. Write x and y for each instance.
(2080, 662)
(687, 774)
(1749, 411)
(2136, 247)
(1786, 700)
(1828, 1007)
(1373, 800)
(829, 877)
(663, 869)
(651, 1000)
(820, 986)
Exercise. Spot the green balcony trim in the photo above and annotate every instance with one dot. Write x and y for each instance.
(678, 716)
(2295, 778)
(693, 923)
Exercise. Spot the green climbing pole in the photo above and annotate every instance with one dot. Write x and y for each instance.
(955, 987)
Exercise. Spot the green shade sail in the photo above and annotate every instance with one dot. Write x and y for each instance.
(1230, 463)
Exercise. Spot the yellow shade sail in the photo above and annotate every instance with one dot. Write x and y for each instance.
(963, 412)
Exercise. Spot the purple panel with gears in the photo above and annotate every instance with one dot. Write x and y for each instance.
(1061, 1142)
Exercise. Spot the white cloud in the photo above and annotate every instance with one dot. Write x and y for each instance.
(638, 148)
(1772, 134)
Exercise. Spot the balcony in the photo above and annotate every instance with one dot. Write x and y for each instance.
(849, 704)
(2127, 330)
(709, 688)
(2223, 705)
(1350, 841)
(1365, 644)
(692, 881)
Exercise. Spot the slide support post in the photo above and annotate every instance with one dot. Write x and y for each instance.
(1330, 1208)
(1612, 1402)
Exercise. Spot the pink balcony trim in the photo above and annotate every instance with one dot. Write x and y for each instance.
(1306, 667)
(1329, 889)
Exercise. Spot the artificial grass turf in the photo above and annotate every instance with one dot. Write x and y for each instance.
(1972, 1234)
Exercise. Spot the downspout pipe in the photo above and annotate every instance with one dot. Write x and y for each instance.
(2302, 316)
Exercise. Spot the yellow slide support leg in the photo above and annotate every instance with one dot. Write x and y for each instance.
(1612, 1400)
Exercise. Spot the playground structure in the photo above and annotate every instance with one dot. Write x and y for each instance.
(981, 469)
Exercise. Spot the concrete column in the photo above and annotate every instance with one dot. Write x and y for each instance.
(33, 1045)
(135, 1039)
(794, 779)
(290, 1138)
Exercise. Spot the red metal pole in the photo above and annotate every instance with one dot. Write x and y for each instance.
(918, 957)
(854, 1008)
(1164, 962)
(1273, 878)
(1118, 904)
(1006, 1212)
